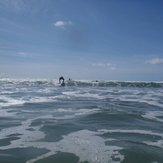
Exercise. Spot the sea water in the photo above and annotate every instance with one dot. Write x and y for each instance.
(83, 122)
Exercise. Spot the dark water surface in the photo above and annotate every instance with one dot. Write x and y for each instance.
(86, 122)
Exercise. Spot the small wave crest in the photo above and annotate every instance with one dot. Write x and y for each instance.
(83, 83)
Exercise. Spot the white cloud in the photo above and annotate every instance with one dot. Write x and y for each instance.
(154, 61)
(62, 24)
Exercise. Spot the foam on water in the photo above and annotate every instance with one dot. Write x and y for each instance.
(6, 113)
(139, 84)
(142, 132)
(41, 99)
(6, 92)
(85, 144)
(144, 99)
(71, 105)
(8, 101)
(154, 115)
(23, 130)
(72, 113)
(82, 94)
(158, 143)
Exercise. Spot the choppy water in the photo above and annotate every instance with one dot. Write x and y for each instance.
(86, 122)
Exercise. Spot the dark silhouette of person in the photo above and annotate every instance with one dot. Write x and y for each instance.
(62, 80)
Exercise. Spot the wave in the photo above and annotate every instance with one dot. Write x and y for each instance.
(8, 101)
(134, 131)
(83, 83)
(154, 115)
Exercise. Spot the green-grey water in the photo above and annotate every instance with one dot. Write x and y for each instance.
(83, 122)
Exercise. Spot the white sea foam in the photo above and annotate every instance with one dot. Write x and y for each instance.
(8, 101)
(158, 143)
(77, 111)
(72, 113)
(25, 132)
(71, 93)
(86, 145)
(6, 92)
(26, 135)
(40, 99)
(82, 94)
(62, 113)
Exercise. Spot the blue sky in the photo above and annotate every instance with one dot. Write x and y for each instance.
(82, 39)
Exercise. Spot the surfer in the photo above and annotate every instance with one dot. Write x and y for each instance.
(62, 80)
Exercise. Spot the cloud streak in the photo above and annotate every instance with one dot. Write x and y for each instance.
(154, 61)
(22, 54)
(17, 5)
(104, 65)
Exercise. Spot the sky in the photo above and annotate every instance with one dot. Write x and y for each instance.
(82, 39)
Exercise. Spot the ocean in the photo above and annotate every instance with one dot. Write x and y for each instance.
(82, 122)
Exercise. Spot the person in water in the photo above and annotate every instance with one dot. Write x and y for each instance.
(62, 80)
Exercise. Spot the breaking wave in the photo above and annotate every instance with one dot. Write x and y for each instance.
(83, 83)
